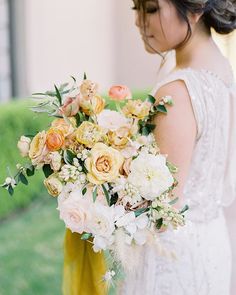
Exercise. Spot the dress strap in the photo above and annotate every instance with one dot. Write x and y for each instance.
(192, 84)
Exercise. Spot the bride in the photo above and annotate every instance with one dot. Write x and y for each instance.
(199, 137)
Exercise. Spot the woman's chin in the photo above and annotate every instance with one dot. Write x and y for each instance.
(150, 49)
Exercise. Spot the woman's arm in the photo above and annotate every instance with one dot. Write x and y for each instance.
(176, 132)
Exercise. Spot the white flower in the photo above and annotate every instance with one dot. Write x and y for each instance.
(111, 120)
(135, 227)
(150, 175)
(102, 243)
(109, 275)
(54, 159)
(10, 181)
(102, 222)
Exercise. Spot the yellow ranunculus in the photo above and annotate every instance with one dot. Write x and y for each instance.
(137, 109)
(104, 164)
(89, 134)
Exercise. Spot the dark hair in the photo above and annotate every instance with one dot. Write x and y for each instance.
(217, 14)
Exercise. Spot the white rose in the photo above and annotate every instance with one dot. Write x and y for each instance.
(24, 146)
(53, 185)
(111, 120)
(151, 179)
(76, 214)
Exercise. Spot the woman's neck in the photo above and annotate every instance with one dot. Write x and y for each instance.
(196, 52)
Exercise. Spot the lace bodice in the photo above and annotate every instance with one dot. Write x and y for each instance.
(211, 172)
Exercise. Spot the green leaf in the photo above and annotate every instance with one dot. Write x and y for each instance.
(85, 76)
(84, 190)
(10, 190)
(47, 170)
(73, 79)
(68, 156)
(161, 108)
(30, 171)
(171, 167)
(151, 99)
(144, 131)
(23, 179)
(140, 211)
(106, 194)
(159, 223)
(186, 207)
(58, 95)
(95, 193)
(86, 236)
(114, 199)
(173, 201)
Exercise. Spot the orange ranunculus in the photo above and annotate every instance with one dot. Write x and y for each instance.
(93, 105)
(55, 139)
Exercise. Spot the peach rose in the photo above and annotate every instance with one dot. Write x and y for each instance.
(119, 93)
(66, 127)
(93, 105)
(55, 139)
(24, 146)
(137, 109)
(104, 164)
(70, 107)
(38, 149)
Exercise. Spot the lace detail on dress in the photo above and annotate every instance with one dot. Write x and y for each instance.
(210, 98)
(198, 268)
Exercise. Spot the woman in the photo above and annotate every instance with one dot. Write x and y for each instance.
(198, 137)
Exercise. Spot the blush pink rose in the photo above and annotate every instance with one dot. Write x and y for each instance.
(119, 92)
(70, 107)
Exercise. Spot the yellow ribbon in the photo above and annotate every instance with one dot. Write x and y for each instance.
(83, 268)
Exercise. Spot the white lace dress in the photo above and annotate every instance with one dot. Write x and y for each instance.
(202, 247)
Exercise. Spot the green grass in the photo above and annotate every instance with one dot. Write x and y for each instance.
(31, 250)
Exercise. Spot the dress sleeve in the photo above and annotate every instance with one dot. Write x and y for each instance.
(195, 94)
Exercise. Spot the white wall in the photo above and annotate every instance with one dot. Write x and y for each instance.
(66, 38)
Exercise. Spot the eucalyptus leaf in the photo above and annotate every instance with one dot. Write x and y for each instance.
(85, 76)
(58, 95)
(114, 199)
(73, 79)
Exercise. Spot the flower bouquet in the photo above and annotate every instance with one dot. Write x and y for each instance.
(112, 184)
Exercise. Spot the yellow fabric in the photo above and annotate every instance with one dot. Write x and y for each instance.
(83, 268)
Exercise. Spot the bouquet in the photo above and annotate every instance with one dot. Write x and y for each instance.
(102, 163)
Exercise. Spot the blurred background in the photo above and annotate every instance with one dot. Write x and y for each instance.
(42, 43)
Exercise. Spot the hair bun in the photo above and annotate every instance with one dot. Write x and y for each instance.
(220, 15)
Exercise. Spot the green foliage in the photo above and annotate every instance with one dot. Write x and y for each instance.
(15, 120)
